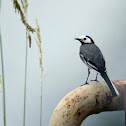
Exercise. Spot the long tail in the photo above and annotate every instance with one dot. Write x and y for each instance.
(113, 89)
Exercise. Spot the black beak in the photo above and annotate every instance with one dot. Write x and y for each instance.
(77, 39)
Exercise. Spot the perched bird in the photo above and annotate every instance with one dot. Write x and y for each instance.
(92, 56)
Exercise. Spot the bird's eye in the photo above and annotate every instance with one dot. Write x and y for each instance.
(84, 38)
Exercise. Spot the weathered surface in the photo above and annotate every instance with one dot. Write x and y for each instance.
(92, 98)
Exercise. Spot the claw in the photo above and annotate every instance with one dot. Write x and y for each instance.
(84, 84)
(95, 80)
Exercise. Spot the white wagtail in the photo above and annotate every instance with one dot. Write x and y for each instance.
(92, 56)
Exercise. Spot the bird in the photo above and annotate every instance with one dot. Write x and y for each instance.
(92, 56)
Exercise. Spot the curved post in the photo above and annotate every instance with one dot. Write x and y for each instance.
(92, 98)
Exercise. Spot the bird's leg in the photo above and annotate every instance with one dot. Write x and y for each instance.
(87, 77)
(96, 79)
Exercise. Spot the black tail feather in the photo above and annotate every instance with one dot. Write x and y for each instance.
(110, 85)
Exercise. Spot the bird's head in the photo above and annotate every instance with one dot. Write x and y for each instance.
(85, 39)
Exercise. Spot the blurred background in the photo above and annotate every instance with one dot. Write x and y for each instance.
(60, 22)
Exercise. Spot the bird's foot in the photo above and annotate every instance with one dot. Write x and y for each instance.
(95, 80)
(84, 84)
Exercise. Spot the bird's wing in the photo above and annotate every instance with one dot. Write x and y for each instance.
(89, 63)
(92, 56)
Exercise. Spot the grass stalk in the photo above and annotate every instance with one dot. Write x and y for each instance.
(41, 103)
(24, 3)
(25, 81)
(38, 40)
(3, 80)
(29, 29)
(3, 84)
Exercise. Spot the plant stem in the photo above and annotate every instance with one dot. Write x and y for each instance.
(41, 101)
(25, 87)
(38, 41)
(3, 84)
(25, 82)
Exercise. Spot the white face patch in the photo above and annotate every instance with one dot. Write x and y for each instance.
(81, 37)
(85, 39)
